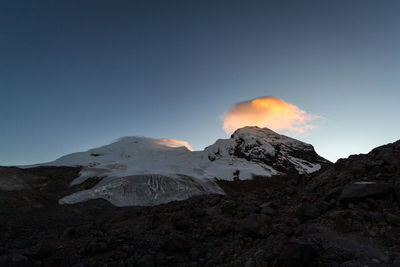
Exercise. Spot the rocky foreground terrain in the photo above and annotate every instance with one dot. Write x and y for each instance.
(346, 214)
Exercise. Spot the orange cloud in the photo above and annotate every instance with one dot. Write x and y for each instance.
(267, 111)
(175, 143)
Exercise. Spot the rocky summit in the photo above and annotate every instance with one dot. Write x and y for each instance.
(344, 214)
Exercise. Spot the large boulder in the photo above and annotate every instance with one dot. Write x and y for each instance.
(354, 192)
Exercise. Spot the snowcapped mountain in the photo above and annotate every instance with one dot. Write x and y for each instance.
(146, 171)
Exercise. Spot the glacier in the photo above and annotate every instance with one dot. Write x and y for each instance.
(147, 171)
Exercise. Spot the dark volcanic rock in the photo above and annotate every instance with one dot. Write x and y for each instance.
(396, 262)
(45, 249)
(146, 261)
(176, 242)
(256, 224)
(360, 190)
(228, 207)
(222, 228)
(392, 219)
(268, 211)
(342, 224)
(307, 211)
(14, 260)
(297, 253)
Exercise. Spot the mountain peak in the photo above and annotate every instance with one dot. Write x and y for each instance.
(148, 171)
(253, 130)
(262, 145)
(266, 135)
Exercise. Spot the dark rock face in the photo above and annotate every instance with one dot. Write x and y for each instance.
(324, 219)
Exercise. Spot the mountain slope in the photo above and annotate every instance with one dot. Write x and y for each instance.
(146, 171)
(15, 179)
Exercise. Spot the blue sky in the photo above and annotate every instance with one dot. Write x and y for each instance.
(80, 74)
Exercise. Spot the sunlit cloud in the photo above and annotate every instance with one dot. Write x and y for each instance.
(268, 111)
(175, 143)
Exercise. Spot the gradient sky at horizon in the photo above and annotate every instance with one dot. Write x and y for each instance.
(79, 74)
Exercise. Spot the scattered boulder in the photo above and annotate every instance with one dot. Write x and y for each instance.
(268, 208)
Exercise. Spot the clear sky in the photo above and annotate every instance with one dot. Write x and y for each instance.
(79, 74)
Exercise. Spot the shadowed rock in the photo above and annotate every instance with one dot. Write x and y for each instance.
(360, 190)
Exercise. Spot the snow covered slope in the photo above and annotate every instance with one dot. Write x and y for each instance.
(146, 171)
